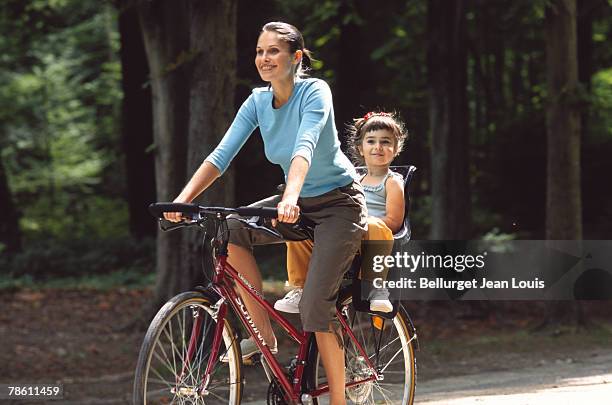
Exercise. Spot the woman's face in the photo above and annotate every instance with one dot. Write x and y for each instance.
(273, 59)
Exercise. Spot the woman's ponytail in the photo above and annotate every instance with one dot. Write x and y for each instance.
(306, 63)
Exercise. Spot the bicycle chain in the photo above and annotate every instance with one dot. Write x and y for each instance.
(275, 394)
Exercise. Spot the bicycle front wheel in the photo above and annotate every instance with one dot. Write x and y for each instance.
(389, 345)
(176, 350)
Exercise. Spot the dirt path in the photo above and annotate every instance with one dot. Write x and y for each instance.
(73, 337)
(584, 381)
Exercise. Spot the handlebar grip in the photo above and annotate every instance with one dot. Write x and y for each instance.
(158, 209)
(266, 212)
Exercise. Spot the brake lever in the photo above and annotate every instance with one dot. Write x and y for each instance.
(182, 224)
(260, 223)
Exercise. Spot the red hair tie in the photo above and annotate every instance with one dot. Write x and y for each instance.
(375, 114)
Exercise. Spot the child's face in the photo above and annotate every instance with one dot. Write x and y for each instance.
(378, 148)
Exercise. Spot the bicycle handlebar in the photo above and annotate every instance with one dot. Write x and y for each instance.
(265, 212)
(158, 209)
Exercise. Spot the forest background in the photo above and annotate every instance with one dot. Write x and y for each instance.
(107, 106)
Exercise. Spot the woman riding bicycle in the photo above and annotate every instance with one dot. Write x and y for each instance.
(296, 119)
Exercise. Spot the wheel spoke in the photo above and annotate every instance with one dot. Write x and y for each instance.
(169, 357)
(392, 358)
(162, 377)
(382, 392)
(181, 354)
(385, 346)
(216, 396)
(161, 381)
(166, 360)
(167, 330)
(388, 349)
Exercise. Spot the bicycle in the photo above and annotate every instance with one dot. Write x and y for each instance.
(179, 360)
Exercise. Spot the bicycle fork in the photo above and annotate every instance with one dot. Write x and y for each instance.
(196, 332)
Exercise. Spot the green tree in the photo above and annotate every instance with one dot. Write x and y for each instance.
(10, 233)
(136, 122)
(563, 191)
(60, 139)
(563, 201)
(190, 51)
(447, 72)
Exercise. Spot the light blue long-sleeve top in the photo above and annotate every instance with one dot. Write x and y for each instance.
(304, 126)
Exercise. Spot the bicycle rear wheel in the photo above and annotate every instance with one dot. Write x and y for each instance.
(389, 344)
(168, 372)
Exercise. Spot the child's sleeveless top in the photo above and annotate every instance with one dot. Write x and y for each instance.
(376, 196)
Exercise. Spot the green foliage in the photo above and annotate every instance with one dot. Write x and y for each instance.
(89, 216)
(420, 217)
(80, 257)
(494, 235)
(60, 102)
(602, 106)
(507, 92)
(117, 279)
(59, 115)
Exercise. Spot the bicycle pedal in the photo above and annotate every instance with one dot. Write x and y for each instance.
(253, 360)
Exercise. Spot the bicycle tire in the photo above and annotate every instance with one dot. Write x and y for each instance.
(162, 379)
(395, 335)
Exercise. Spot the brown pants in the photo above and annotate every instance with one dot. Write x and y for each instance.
(339, 223)
(299, 253)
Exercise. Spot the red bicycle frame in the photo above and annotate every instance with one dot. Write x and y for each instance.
(222, 284)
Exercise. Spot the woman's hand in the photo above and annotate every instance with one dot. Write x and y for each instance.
(206, 174)
(288, 211)
(175, 216)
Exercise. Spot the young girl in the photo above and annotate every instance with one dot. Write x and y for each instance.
(375, 140)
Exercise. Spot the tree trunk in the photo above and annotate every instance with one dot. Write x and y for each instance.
(563, 200)
(211, 104)
(10, 233)
(164, 28)
(517, 89)
(352, 77)
(478, 84)
(136, 124)
(585, 14)
(192, 79)
(498, 50)
(448, 112)
(488, 74)
(563, 195)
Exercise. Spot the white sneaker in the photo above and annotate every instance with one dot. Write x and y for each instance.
(379, 300)
(248, 349)
(290, 302)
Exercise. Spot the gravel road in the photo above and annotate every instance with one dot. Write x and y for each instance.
(564, 381)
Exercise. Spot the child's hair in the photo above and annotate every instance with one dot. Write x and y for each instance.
(374, 121)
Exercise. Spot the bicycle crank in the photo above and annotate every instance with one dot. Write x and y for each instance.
(275, 394)
(359, 370)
